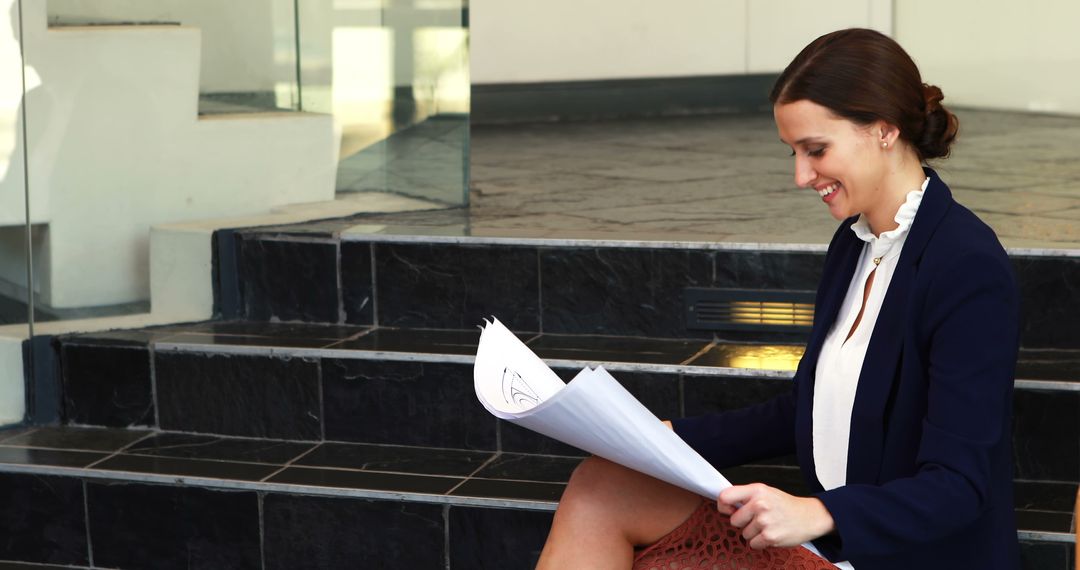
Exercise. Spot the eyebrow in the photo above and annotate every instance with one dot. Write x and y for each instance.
(805, 140)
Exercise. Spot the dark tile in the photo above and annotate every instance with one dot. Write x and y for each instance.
(1046, 555)
(357, 283)
(521, 538)
(6, 565)
(1043, 521)
(107, 385)
(615, 349)
(135, 526)
(187, 467)
(370, 480)
(621, 291)
(190, 446)
(17, 431)
(528, 467)
(271, 330)
(85, 439)
(351, 533)
(43, 519)
(1045, 496)
(448, 286)
(706, 394)
(49, 457)
(288, 280)
(515, 490)
(516, 439)
(1048, 364)
(1046, 435)
(1048, 288)
(752, 356)
(428, 341)
(395, 458)
(768, 270)
(370, 401)
(257, 396)
(134, 337)
(212, 340)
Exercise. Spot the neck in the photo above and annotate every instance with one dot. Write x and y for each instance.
(901, 178)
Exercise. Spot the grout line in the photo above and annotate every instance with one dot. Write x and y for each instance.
(290, 463)
(699, 353)
(86, 519)
(446, 536)
(374, 287)
(539, 293)
(116, 453)
(340, 288)
(473, 474)
(260, 497)
(153, 385)
(322, 399)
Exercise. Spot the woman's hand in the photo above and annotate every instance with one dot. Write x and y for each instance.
(770, 517)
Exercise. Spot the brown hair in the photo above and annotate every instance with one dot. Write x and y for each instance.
(864, 76)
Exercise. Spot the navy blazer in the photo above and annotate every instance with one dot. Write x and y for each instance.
(929, 473)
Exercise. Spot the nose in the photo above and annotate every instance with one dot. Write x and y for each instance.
(804, 172)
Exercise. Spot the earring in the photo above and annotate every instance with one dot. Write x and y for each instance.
(884, 144)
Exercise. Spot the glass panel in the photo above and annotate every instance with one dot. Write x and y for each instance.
(395, 76)
(14, 277)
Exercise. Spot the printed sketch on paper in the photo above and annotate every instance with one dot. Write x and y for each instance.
(517, 391)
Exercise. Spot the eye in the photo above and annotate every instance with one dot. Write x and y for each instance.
(816, 153)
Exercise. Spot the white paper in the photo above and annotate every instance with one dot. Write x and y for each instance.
(592, 412)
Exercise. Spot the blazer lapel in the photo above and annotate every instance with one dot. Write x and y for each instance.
(880, 367)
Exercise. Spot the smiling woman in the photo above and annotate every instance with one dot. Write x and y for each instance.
(900, 409)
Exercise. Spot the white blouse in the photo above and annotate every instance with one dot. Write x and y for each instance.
(840, 361)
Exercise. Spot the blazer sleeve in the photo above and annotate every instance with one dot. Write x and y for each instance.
(971, 322)
(735, 437)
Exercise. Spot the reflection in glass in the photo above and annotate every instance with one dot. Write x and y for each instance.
(14, 278)
(759, 357)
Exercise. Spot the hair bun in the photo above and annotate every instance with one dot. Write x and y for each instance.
(939, 129)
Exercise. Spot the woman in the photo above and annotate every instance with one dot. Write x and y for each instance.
(901, 406)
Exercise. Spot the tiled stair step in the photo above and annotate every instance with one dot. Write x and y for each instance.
(414, 387)
(348, 272)
(133, 499)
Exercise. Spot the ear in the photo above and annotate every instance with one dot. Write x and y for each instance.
(887, 135)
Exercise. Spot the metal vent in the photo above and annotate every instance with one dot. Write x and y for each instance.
(749, 310)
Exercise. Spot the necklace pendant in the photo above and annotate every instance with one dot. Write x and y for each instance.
(877, 261)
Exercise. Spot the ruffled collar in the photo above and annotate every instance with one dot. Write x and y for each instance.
(880, 245)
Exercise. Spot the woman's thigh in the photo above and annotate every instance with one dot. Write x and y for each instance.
(611, 497)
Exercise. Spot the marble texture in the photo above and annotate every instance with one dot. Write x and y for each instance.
(395, 458)
(83, 439)
(1049, 294)
(634, 292)
(288, 280)
(456, 287)
(212, 448)
(320, 532)
(239, 395)
(521, 537)
(1046, 435)
(106, 385)
(369, 402)
(615, 349)
(357, 283)
(212, 469)
(367, 480)
(523, 467)
(157, 527)
(1044, 556)
(43, 519)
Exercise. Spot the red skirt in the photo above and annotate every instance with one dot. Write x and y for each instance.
(707, 541)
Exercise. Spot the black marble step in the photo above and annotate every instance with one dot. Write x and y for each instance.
(306, 382)
(131, 499)
(359, 271)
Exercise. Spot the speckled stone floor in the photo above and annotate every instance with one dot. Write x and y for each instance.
(729, 179)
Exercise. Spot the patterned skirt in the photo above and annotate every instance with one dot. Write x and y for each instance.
(707, 541)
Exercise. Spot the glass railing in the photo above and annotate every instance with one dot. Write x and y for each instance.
(140, 115)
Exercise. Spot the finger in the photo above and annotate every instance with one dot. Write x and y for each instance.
(759, 542)
(725, 509)
(742, 516)
(737, 494)
(752, 531)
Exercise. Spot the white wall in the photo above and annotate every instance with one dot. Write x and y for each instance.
(562, 40)
(239, 37)
(997, 54)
